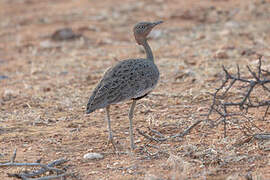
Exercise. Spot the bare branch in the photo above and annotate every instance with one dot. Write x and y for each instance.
(44, 168)
(14, 155)
(147, 136)
(47, 168)
(259, 67)
(253, 74)
(266, 112)
(41, 178)
(187, 131)
(222, 105)
(182, 134)
(156, 132)
(263, 136)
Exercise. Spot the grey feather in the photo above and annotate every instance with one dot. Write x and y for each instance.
(128, 79)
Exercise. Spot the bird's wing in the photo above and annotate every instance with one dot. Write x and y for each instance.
(106, 92)
(121, 82)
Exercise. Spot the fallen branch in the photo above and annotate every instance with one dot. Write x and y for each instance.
(250, 137)
(156, 132)
(41, 178)
(182, 134)
(44, 168)
(153, 155)
(187, 131)
(221, 102)
(147, 136)
(262, 136)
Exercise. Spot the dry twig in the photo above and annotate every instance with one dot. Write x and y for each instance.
(262, 136)
(222, 102)
(163, 138)
(154, 155)
(147, 136)
(44, 168)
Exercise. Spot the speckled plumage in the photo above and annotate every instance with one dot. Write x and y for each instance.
(129, 79)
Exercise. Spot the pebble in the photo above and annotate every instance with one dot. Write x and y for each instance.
(248, 52)
(152, 177)
(3, 77)
(93, 156)
(48, 44)
(221, 54)
(64, 34)
(232, 24)
(9, 94)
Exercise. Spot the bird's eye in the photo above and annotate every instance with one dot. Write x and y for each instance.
(141, 27)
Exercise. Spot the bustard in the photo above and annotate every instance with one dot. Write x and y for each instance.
(129, 79)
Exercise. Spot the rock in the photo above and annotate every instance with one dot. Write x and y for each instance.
(228, 47)
(46, 89)
(3, 77)
(232, 24)
(187, 15)
(63, 73)
(232, 177)
(64, 34)
(248, 52)
(221, 54)
(48, 44)
(9, 94)
(93, 156)
(152, 177)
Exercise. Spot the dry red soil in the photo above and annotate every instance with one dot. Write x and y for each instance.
(45, 85)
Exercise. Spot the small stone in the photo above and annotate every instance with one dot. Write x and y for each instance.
(221, 54)
(46, 89)
(232, 24)
(248, 52)
(2, 61)
(63, 73)
(64, 34)
(9, 94)
(228, 47)
(48, 44)
(152, 177)
(3, 77)
(200, 109)
(187, 15)
(93, 156)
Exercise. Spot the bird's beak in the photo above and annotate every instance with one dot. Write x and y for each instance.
(156, 23)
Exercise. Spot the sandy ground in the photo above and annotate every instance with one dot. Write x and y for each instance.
(45, 85)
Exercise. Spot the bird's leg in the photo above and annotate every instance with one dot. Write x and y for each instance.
(110, 138)
(130, 115)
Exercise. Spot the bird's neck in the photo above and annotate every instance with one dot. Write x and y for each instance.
(148, 51)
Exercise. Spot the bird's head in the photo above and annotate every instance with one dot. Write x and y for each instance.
(142, 29)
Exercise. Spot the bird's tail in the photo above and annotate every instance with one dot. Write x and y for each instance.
(94, 101)
(89, 109)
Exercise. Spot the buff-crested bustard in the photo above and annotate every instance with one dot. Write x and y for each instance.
(130, 79)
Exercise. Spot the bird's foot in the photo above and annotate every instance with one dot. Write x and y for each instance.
(111, 141)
